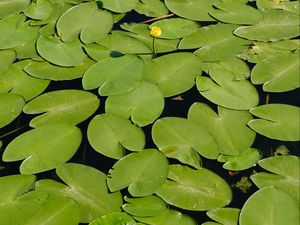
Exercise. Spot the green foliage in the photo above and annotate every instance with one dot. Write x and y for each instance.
(58, 58)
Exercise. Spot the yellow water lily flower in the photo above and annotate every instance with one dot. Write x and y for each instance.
(155, 31)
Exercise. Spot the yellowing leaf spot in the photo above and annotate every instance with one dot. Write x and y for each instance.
(155, 31)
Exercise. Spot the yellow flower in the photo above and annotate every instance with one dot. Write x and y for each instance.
(155, 31)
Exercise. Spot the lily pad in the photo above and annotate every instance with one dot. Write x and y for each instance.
(12, 7)
(290, 6)
(175, 27)
(143, 172)
(192, 9)
(151, 8)
(97, 52)
(147, 206)
(11, 106)
(46, 70)
(119, 6)
(59, 53)
(170, 217)
(88, 17)
(196, 190)
(173, 73)
(276, 25)
(225, 216)
(39, 10)
(277, 73)
(228, 127)
(236, 13)
(116, 218)
(7, 57)
(87, 187)
(182, 139)
(244, 161)
(277, 121)
(216, 42)
(62, 107)
(14, 80)
(270, 206)
(114, 75)
(109, 135)
(43, 148)
(224, 91)
(143, 105)
(284, 174)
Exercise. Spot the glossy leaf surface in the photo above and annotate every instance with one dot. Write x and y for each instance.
(151, 8)
(119, 6)
(225, 216)
(12, 7)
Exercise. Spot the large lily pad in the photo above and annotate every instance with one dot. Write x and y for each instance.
(228, 127)
(87, 187)
(59, 53)
(216, 42)
(182, 139)
(115, 218)
(110, 135)
(192, 9)
(119, 6)
(39, 10)
(290, 6)
(11, 106)
(143, 105)
(12, 7)
(225, 216)
(277, 121)
(196, 190)
(223, 90)
(43, 148)
(88, 18)
(143, 172)
(173, 73)
(14, 80)
(62, 107)
(7, 57)
(276, 25)
(270, 206)
(151, 8)
(150, 205)
(284, 174)
(278, 73)
(114, 75)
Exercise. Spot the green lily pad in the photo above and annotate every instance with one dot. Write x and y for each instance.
(192, 9)
(196, 190)
(225, 216)
(116, 218)
(277, 73)
(236, 66)
(59, 53)
(143, 172)
(182, 139)
(27, 50)
(85, 185)
(39, 10)
(276, 25)
(143, 105)
(216, 42)
(175, 27)
(57, 210)
(97, 52)
(151, 8)
(88, 17)
(43, 148)
(170, 217)
(284, 174)
(114, 75)
(147, 206)
(11, 106)
(7, 57)
(224, 91)
(270, 206)
(62, 107)
(15, 31)
(244, 161)
(18, 203)
(228, 127)
(277, 121)
(12, 7)
(173, 73)
(14, 80)
(119, 6)
(109, 135)
(46, 70)
(290, 6)
(236, 13)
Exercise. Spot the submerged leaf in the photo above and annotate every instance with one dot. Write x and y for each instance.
(43, 148)
(143, 172)
(197, 190)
